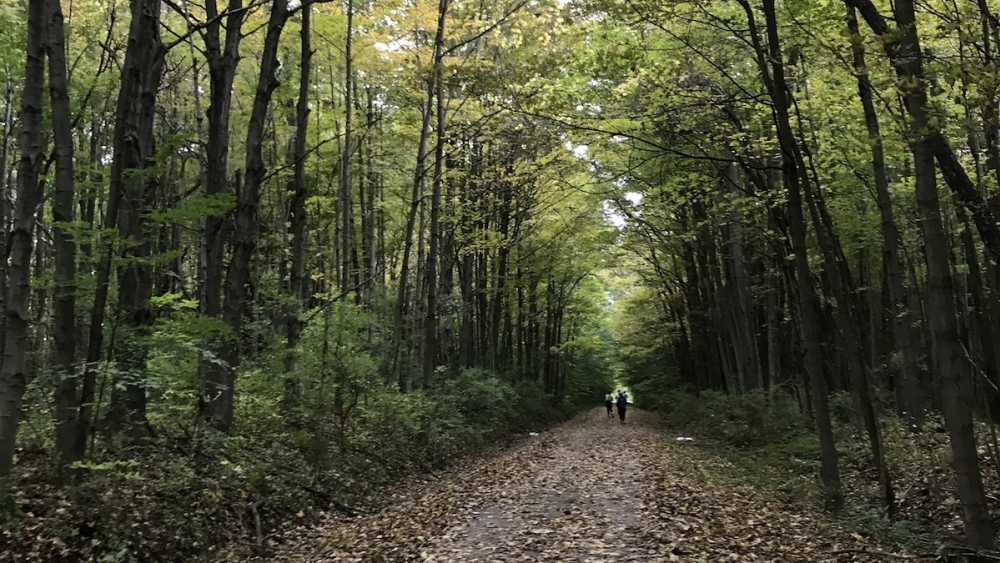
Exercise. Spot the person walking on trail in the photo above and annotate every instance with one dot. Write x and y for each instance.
(608, 402)
(622, 405)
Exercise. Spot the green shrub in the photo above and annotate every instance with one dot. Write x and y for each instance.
(742, 420)
(187, 488)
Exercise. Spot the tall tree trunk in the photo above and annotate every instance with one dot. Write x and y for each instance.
(95, 329)
(223, 58)
(297, 223)
(64, 332)
(372, 205)
(775, 321)
(991, 120)
(549, 342)
(908, 380)
(403, 295)
(928, 144)
(5, 199)
(349, 273)
(239, 280)
(500, 276)
(809, 307)
(744, 342)
(533, 341)
(38, 307)
(133, 177)
(14, 373)
(446, 281)
(467, 328)
(898, 46)
(430, 320)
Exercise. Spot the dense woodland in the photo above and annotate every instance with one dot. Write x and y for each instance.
(263, 256)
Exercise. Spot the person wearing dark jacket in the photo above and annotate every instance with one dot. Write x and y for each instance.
(622, 405)
(608, 403)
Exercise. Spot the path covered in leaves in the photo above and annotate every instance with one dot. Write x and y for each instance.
(589, 490)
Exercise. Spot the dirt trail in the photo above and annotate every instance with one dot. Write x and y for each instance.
(589, 490)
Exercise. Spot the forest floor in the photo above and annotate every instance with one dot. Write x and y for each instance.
(588, 490)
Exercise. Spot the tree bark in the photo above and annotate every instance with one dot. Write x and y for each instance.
(5, 197)
(297, 220)
(348, 273)
(14, 373)
(741, 312)
(403, 295)
(431, 320)
(64, 302)
(223, 59)
(133, 177)
(928, 143)
(809, 308)
(239, 280)
(372, 204)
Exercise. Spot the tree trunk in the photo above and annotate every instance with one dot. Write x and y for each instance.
(809, 307)
(500, 278)
(64, 332)
(14, 373)
(348, 274)
(297, 224)
(223, 58)
(370, 210)
(133, 179)
(466, 273)
(430, 320)
(239, 279)
(927, 143)
(95, 329)
(741, 313)
(5, 199)
(900, 318)
(402, 296)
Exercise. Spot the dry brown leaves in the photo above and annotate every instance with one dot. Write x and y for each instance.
(590, 490)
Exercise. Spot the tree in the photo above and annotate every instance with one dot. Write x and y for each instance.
(133, 187)
(239, 280)
(223, 56)
(430, 285)
(64, 332)
(13, 372)
(297, 218)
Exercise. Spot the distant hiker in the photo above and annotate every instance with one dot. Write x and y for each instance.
(622, 404)
(608, 401)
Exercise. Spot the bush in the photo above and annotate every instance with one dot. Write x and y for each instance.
(750, 419)
(187, 489)
(179, 494)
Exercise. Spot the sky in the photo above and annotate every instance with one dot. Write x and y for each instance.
(617, 218)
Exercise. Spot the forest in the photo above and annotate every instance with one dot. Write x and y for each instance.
(271, 266)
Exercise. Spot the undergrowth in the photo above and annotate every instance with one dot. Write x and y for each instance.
(764, 441)
(187, 490)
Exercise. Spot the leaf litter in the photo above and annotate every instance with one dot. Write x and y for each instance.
(589, 490)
